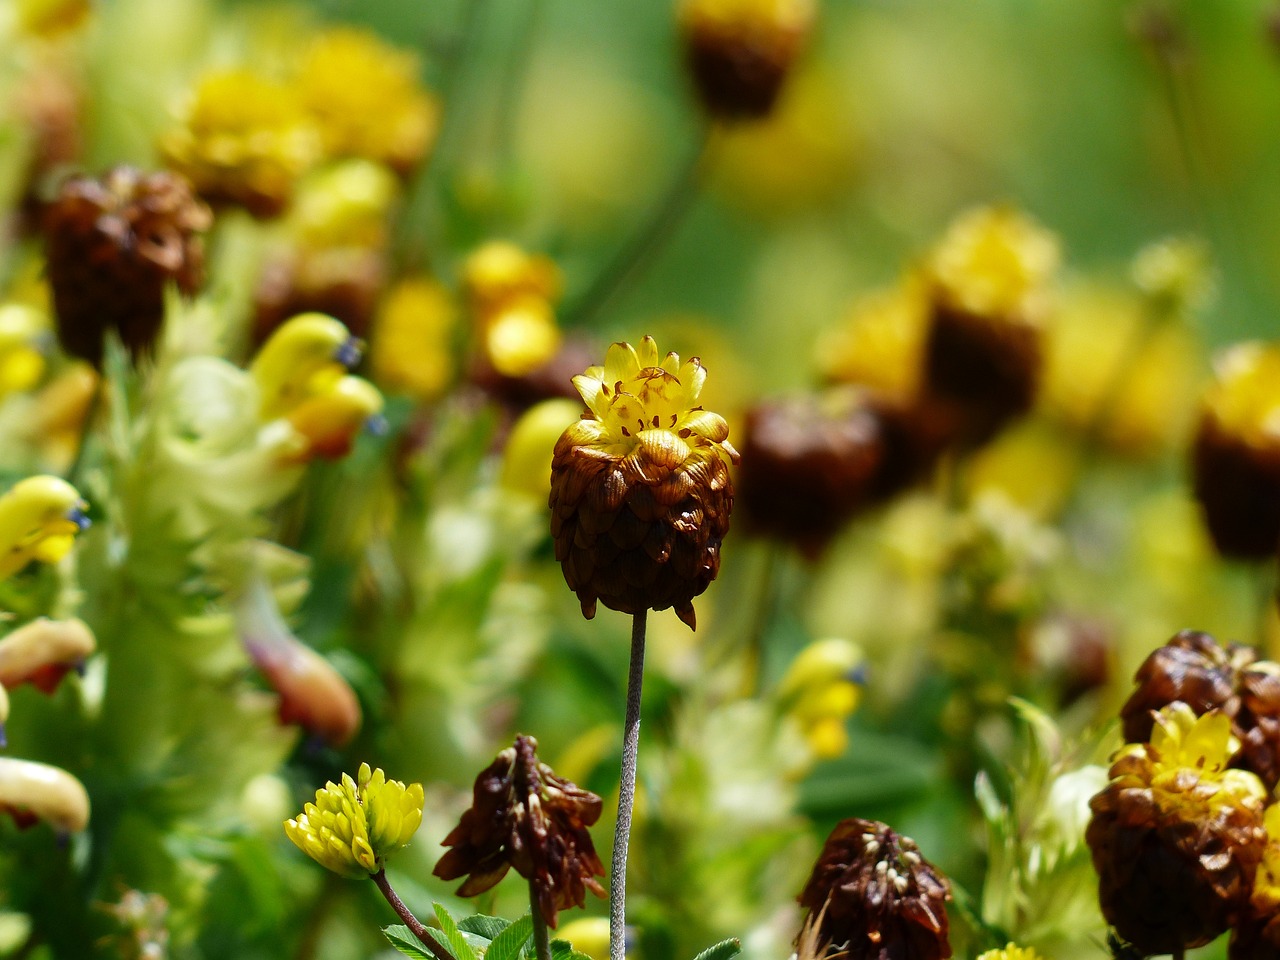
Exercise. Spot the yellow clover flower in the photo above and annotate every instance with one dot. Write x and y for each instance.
(39, 518)
(31, 791)
(1010, 952)
(411, 343)
(820, 690)
(353, 826)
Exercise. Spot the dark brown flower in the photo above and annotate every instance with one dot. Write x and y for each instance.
(809, 464)
(522, 815)
(1176, 837)
(640, 491)
(112, 246)
(875, 897)
(1195, 669)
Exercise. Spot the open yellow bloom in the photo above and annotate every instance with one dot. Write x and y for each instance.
(39, 518)
(366, 99)
(353, 826)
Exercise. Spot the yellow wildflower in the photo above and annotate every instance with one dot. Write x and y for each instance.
(22, 329)
(244, 139)
(1244, 398)
(880, 343)
(1010, 952)
(354, 826)
(344, 205)
(526, 459)
(499, 273)
(820, 690)
(521, 337)
(39, 518)
(331, 420)
(304, 358)
(366, 99)
(410, 350)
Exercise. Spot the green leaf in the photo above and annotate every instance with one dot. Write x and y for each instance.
(563, 950)
(452, 936)
(722, 950)
(402, 939)
(482, 926)
(508, 944)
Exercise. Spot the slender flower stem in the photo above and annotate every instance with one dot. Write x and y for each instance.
(626, 794)
(410, 921)
(649, 237)
(541, 940)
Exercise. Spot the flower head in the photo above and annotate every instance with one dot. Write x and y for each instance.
(353, 826)
(39, 518)
(640, 492)
(872, 896)
(821, 689)
(1176, 836)
(411, 350)
(244, 139)
(303, 359)
(524, 816)
(366, 99)
(1011, 952)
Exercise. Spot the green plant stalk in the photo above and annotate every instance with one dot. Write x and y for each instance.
(626, 794)
(404, 913)
(541, 939)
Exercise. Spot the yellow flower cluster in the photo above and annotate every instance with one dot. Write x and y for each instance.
(411, 342)
(1010, 952)
(1244, 398)
(821, 690)
(39, 518)
(511, 295)
(881, 342)
(353, 826)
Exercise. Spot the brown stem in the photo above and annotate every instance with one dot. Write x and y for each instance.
(410, 921)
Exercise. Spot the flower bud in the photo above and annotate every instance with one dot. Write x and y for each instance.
(302, 359)
(39, 518)
(740, 52)
(43, 652)
(331, 421)
(872, 896)
(30, 792)
(522, 815)
(354, 826)
(640, 491)
(113, 245)
(411, 350)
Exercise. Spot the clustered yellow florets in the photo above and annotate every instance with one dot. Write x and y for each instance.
(648, 409)
(1183, 743)
(995, 262)
(1010, 952)
(1245, 396)
(353, 826)
(39, 518)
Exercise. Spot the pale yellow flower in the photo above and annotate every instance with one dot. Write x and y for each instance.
(36, 791)
(410, 350)
(1011, 952)
(39, 518)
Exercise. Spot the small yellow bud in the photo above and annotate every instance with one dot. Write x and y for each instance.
(330, 421)
(521, 337)
(410, 350)
(304, 357)
(21, 360)
(43, 651)
(36, 791)
(499, 272)
(39, 518)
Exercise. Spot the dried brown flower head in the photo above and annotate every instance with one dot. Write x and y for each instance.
(522, 815)
(1195, 669)
(875, 897)
(113, 243)
(1176, 836)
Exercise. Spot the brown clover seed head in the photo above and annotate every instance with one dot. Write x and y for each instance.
(522, 815)
(877, 898)
(808, 464)
(740, 51)
(113, 243)
(1176, 836)
(640, 492)
(1195, 669)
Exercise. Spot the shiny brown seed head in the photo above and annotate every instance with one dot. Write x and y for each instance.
(640, 491)
(522, 815)
(1176, 836)
(113, 243)
(876, 897)
(1195, 669)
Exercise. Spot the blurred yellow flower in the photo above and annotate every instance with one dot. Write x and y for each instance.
(521, 337)
(331, 420)
(353, 826)
(344, 204)
(39, 518)
(499, 273)
(880, 342)
(304, 358)
(243, 139)
(366, 99)
(1010, 952)
(1176, 274)
(410, 349)
(49, 18)
(22, 330)
(526, 459)
(589, 935)
(1244, 397)
(821, 690)
(36, 791)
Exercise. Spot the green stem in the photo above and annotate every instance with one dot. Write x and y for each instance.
(86, 429)
(410, 921)
(541, 939)
(626, 794)
(636, 253)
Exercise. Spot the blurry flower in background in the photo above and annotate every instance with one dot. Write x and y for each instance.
(526, 458)
(366, 99)
(1198, 671)
(39, 519)
(113, 245)
(511, 296)
(411, 344)
(879, 343)
(23, 332)
(989, 283)
(30, 792)
(524, 816)
(1236, 454)
(589, 935)
(821, 690)
(1176, 836)
(43, 651)
(243, 139)
(303, 360)
(1177, 275)
(51, 18)
(872, 895)
(640, 491)
(1010, 952)
(741, 51)
(354, 826)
